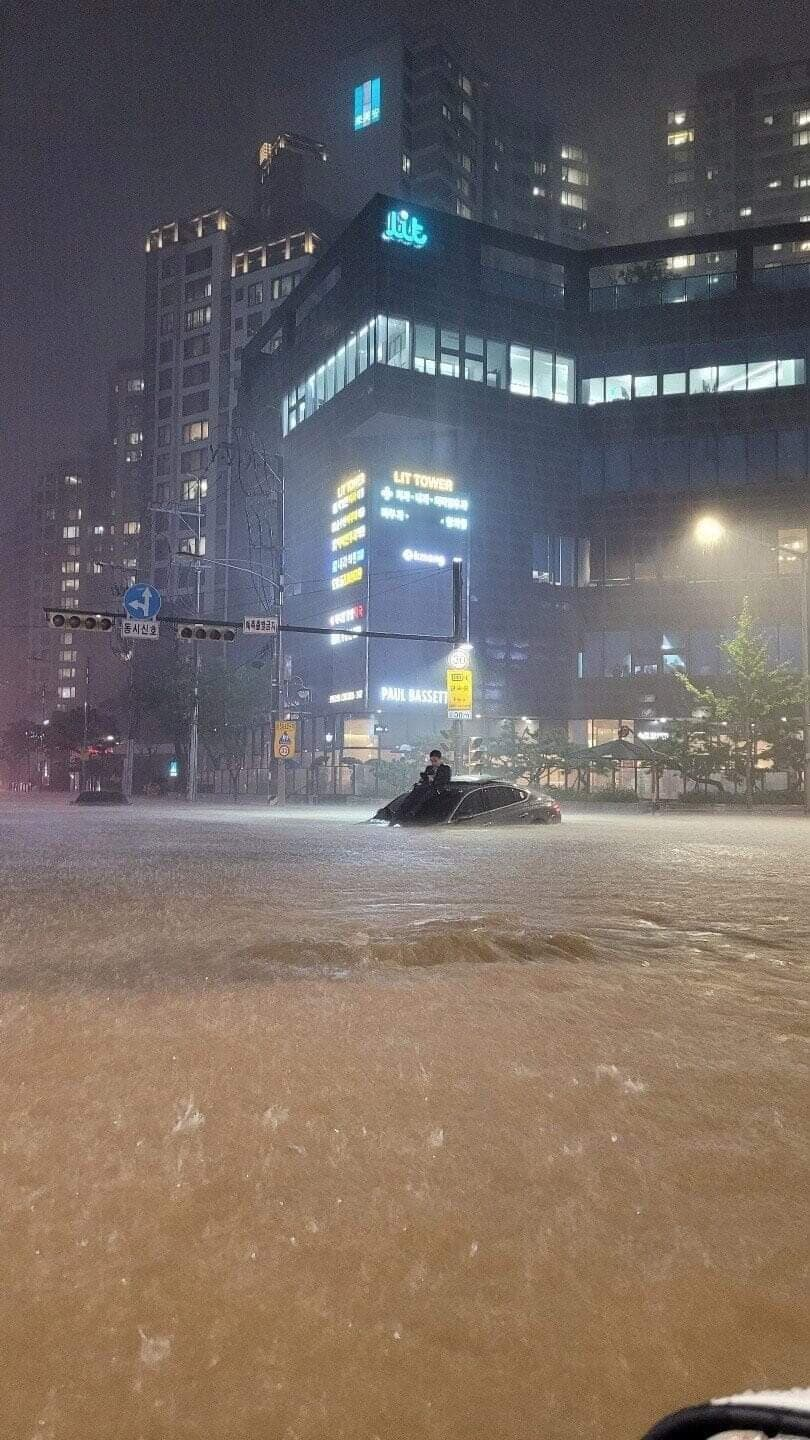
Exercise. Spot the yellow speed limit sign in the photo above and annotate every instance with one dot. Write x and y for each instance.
(285, 739)
(460, 694)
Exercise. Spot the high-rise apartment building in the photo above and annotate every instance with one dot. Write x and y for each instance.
(411, 115)
(83, 544)
(735, 151)
(60, 550)
(211, 283)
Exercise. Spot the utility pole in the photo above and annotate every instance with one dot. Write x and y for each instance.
(806, 676)
(194, 737)
(82, 768)
(129, 757)
(277, 682)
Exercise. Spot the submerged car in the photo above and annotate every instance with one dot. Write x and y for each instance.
(101, 797)
(471, 802)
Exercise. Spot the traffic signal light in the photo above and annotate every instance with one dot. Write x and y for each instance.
(477, 752)
(206, 632)
(78, 620)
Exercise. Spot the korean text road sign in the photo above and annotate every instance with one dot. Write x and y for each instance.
(460, 694)
(260, 625)
(285, 739)
(142, 602)
(140, 630)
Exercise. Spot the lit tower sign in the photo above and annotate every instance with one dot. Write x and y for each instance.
(403, 228)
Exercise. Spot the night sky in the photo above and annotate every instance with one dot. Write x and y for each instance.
(117, 115)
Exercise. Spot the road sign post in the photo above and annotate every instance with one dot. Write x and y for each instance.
(142, 602)
(140, 630)
(260, 625)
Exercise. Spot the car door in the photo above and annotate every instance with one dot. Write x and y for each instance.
(472, 809)
(502, 802)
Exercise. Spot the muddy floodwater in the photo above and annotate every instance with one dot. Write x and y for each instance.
(315, 1131)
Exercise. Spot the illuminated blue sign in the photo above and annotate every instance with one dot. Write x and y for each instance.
(367, 103)
(405, 229)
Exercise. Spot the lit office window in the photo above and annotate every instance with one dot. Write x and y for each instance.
(474, 358)
(745, 211)
(575, 175)
(572, 152)
(406, 163)
(680, 137)
(775, 184)
(565, 380)
(573, 200)
(520, 370)
(424, 349)
(680, 262)
(767, 120)
(496, 364)
(543, 374)
(801, 137)
(679, 219)
(645, 386)
(593, 391)
(449, 354)
(398, 351)
(801, 182)
(367, 103)
(674, 383)
(618, 387)
(801, 117)
(676, 117)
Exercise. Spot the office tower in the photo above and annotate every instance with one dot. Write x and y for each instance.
(211, 283)
(559, 419)
(415, 117)
(735, 151)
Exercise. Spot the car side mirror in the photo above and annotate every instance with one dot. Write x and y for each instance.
(784, 1413)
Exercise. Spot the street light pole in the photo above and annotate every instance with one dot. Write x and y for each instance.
(806, 678)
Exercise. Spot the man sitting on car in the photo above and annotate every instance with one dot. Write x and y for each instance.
(434, 778)
(435, 773)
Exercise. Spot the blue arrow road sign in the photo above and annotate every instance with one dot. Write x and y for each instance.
(142, 602)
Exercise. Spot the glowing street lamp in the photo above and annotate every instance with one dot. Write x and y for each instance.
(709, 531)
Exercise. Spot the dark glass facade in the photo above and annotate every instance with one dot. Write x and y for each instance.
(476, 397)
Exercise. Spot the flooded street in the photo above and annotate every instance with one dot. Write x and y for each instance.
(317, 1131)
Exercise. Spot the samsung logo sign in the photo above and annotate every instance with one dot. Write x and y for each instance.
(403, 228)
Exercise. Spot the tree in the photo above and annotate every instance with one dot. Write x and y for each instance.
(163, 705)
(232, 699)
(756, 696)
(502, 755)
(20, 743)
(696, 751)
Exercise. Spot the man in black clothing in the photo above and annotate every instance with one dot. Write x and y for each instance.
(434, 778)
(436, 773)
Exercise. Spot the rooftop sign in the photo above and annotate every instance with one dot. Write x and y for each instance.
(404, 229)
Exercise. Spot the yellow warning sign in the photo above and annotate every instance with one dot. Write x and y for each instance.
(285, 739)
(460, 694)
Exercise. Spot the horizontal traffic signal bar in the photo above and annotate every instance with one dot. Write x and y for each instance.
(197, 630)
(79, 620)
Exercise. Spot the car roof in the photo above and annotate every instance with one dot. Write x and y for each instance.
(469, 782)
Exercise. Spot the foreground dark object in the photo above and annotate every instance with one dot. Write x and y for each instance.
(101, 797)
(470, 802)
(783, 1413)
